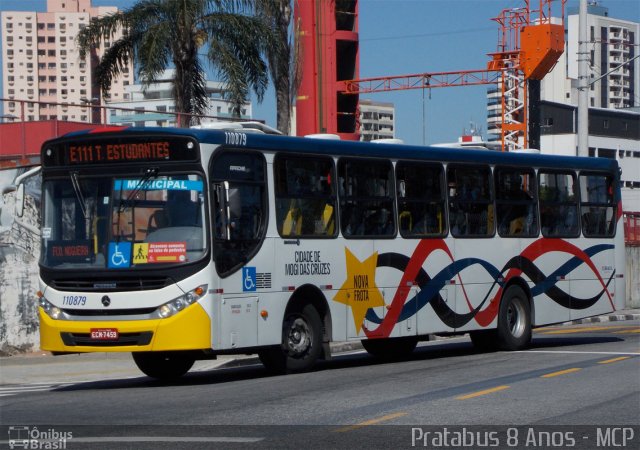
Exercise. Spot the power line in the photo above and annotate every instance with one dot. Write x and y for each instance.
(421, 35)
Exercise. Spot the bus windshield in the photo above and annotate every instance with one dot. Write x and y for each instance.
(123, 222)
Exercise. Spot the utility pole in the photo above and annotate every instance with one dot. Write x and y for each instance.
(583, 83)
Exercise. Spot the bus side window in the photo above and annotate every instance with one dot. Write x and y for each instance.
(516, 202)
(558, 204)
(420, 199)
(597, 205)
(367, 208)
(470, 201)
(305, 196)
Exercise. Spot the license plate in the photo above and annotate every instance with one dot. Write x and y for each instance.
(104, 334)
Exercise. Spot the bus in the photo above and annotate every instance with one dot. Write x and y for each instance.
(184, 244)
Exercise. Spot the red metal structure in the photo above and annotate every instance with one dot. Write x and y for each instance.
(328, 34)
(20, 142)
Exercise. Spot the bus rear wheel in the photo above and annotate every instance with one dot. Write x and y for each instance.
(163, 365)
(301, 343)
(514, 320)
(390, 348)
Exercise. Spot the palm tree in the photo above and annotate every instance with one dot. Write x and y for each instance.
(282, 54)
(160, 33)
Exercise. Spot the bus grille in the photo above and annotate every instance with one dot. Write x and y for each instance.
(131, 284)
(75, 339)
(110, 312)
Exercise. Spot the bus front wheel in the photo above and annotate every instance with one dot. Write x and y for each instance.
(163, 365)
(514, 320)
(301, 343)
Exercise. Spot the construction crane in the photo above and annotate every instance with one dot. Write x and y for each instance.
(529, 45)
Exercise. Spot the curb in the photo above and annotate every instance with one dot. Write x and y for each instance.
(607, 318)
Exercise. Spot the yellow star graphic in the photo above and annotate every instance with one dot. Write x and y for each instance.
(359, 291)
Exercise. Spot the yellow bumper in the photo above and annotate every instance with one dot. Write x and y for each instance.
(188, 330)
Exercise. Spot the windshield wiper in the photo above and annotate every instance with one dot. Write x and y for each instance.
(148, 175)
(76, 187)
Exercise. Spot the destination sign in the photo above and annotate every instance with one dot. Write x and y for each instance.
(120, 149)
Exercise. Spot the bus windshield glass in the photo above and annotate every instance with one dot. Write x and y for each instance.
(123, 222)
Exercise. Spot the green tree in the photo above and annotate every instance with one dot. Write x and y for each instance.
(282, 54)
(161, 33)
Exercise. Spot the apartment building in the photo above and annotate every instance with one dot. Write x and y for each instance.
(42, 63)
(377, 120)
(154, 105)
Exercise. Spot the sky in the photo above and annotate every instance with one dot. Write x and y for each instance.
(400, 37)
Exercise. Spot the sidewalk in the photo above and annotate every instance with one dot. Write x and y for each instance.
(42, 368)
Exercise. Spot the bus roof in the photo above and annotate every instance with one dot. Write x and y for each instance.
(363, 149)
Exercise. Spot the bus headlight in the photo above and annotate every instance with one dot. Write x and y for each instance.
(178, 304)
(52, 311)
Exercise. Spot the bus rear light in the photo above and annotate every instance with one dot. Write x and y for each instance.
(289, 288)
(39, 294)
(264, 314)
(326, 287)
(620, 275)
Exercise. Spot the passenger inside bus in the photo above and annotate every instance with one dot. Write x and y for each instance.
(517, 214)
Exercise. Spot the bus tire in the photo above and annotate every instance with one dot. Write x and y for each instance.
(484, 340)
(163, 365)
(514, 319)
(390, 348)
(301, 343)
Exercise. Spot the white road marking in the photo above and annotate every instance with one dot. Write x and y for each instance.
(9, 390)
(561, 352)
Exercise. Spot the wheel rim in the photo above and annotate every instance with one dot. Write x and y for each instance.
(516, 319)
(298, 337)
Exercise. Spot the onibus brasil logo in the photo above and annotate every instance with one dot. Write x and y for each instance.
(34, 438)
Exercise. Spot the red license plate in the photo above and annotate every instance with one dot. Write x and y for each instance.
(104, 334)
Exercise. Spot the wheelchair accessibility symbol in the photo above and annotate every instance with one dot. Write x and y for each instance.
(248, 279)
(119, 255)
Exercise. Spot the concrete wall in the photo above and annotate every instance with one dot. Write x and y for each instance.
(19, 254)
(632, 276)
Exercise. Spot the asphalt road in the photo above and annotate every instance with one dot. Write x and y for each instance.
(577, 386)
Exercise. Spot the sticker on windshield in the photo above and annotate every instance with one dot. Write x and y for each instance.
(161, 184)
(159, 252)
(119, 255)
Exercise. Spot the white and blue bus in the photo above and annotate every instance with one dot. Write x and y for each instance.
(183, 244)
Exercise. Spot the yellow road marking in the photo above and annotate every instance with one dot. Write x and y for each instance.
(612, 360)
(371, 422)
(485, 392)
(579, 330)
(637, 330)
(561, 372)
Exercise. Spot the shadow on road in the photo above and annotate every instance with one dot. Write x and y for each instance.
(254, 370)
